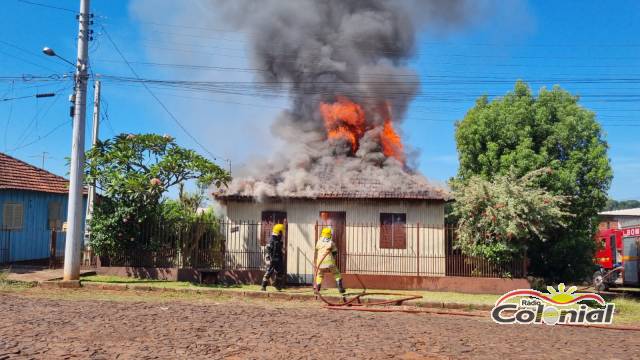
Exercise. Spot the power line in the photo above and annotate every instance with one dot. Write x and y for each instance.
(37, 96)
(188, 27)
(395, 52)
(42, 137)
(24, 134)
(26, 51)
(105, 114)
(274, 90)
(366, 75)
(6, 127)
(171, 92)
(34, 78)
(26, 61)
(155, 23)
(175, 119)
(46, 6)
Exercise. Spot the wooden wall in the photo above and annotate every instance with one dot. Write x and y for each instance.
(362, 217)
(32, 241)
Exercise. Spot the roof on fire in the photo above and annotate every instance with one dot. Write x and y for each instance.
(18, 175)
(356, 189)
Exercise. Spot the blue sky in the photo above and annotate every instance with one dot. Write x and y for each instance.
(590, 48)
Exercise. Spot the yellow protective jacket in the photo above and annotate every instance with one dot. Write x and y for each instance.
(326, 246)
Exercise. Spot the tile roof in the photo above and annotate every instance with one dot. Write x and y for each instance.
(18, 175)
(410, 187)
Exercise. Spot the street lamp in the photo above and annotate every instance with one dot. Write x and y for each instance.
(49, 52)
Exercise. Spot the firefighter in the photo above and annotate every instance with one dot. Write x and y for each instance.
(275, 258)
(326, 259)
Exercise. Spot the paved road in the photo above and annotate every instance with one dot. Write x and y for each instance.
(53, 328)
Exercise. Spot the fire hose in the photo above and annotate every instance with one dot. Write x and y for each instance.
(355, 300)
(355, 304)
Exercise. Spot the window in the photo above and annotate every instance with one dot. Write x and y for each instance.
(54, 219)
(614, 249)
(393, 234)
(12, 216)
(603, 244)
(269, 218)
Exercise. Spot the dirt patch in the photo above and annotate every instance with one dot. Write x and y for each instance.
(41, 326)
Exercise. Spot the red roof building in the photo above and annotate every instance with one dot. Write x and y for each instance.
(33, 204)
(18, 175)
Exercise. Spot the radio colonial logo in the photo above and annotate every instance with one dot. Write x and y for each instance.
(561, 306)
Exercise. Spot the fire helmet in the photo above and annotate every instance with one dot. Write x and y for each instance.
(278, 229)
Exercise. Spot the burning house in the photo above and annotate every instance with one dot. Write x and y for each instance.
(377, 230)
(343, 162)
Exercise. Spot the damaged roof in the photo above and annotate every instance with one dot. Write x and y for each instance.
(355, 189)
(18, 175)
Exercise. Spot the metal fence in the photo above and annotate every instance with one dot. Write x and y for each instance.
(458, 264)
(218, 245)
(57, 246)
(398, 249)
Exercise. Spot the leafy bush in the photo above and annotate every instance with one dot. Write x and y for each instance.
(132, 173)
(520, 133)
(498, 219)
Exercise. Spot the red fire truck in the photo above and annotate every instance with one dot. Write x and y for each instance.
(618, 258)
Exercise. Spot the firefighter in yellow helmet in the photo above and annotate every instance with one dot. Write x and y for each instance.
(275, 258)
(327, 254)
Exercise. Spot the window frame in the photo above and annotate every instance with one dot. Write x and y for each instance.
(54, 223)
(393, 231)
(10, 223)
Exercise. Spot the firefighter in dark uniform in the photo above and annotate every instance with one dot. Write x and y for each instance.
(275, 258)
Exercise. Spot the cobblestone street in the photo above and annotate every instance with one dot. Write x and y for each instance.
(54, 328)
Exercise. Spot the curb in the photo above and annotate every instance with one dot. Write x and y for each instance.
(60, 284)
(266, 295)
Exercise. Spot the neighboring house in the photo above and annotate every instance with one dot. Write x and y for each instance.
(619, 219)
(376, 230)
(33, 203)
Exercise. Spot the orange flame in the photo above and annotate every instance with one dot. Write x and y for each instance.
(391, 142)
(344, 119)
(389, 138)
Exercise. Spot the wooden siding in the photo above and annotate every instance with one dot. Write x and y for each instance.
(32, 241)
(303, 214)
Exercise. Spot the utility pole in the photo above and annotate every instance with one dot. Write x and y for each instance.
(74, 213)
(44, 156)
(91, 198)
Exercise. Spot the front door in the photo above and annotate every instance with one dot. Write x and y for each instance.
(270, 218)
(614, 249)
(337, 220)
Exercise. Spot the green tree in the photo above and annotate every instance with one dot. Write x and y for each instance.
(522, 133)
(498, 219)
(621, 205)
(132, 173)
